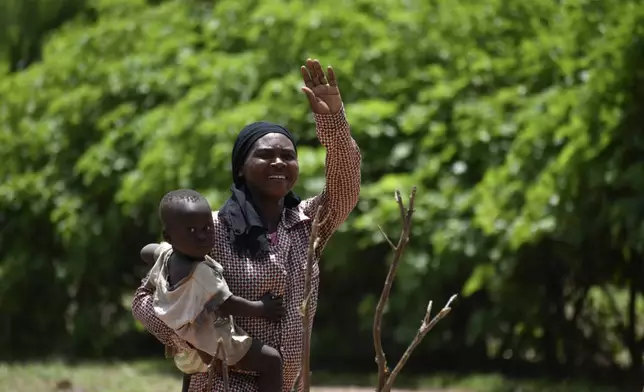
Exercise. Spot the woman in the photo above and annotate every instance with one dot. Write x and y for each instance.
(262, 231)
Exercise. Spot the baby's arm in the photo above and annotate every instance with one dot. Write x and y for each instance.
(238, 306)
(269, 307)
(147, 253)
(223, 301)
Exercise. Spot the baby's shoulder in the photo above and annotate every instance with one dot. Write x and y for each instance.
(212, 264)
(209, 275)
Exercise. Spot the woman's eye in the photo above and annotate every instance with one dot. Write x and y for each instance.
(192, 230)
(208, 228)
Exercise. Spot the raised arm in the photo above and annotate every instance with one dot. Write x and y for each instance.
(342, 171)
(342, 188)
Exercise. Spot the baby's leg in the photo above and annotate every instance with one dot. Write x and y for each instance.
(267, 361)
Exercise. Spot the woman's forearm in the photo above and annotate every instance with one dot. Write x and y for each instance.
(342, 171)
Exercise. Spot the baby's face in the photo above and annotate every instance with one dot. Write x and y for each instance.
(190, 229)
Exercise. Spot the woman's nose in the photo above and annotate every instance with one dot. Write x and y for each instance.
(278, 162)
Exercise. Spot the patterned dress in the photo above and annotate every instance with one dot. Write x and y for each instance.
(282, 270)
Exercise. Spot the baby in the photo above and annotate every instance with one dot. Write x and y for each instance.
(192, 297)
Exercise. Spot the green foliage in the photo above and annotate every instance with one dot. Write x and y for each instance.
(25, 23)
(517, 120)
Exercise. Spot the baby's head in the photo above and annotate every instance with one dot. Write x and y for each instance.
(187, 222)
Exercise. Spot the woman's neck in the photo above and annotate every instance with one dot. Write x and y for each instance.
(270, 210)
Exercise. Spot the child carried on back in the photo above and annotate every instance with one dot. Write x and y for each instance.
(191, 295)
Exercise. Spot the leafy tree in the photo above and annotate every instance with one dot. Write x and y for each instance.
(24, 24)
(518, 121)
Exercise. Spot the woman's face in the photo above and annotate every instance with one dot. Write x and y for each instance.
(271, 168)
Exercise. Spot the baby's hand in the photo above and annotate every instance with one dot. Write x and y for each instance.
(272, 307)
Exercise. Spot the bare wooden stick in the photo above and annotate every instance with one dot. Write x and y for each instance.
(304, 376)
(425, 327)
(296, 384)
(385, 379)
(405, 216)
(224, 366)
(391, 244)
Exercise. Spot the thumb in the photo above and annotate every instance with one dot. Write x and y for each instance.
(310, 96)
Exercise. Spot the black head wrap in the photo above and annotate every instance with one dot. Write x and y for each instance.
(248, 232)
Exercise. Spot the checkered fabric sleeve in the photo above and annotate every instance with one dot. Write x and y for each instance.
(342, 188)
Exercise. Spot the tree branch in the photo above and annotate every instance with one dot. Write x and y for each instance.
(304, 376)
(425, 327)
(296, 384)
(224, 366)
(387, 238)
(405, 216)
(386, 379)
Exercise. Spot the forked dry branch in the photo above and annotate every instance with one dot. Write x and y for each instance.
(385, 378)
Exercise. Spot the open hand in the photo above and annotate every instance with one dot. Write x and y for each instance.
(323, 95)
(272, 307)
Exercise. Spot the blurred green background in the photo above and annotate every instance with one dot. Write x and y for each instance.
(520, 122)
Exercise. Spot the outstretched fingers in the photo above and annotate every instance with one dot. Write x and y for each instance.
(306, 77)
(320, 77)
(332, 80)
(313, 75)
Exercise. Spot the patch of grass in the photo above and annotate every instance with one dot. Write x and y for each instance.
(160, 376)
(470, 383)
(140, 376)
(498, 383)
